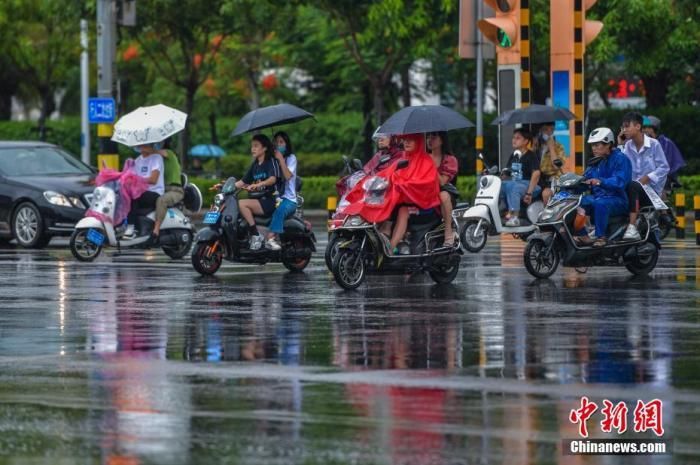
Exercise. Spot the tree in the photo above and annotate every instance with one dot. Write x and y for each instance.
(379, 36)
(658, 40)
(181, 40)
(41, 41)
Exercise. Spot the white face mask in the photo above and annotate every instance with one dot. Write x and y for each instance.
(545, 137)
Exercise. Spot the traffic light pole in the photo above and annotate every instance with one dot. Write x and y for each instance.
(479, 142)
(106, 50)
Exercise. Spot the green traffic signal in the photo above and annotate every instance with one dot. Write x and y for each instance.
(503, 39)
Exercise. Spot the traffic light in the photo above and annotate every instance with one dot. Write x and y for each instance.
(570, 33)
(509, 30)
(503, 30)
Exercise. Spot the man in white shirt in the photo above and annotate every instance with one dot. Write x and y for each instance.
(649, 167)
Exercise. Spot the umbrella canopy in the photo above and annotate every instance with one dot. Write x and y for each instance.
(533, 114)
(147, 125)
(424, 118)
(266, 117)
(207, 150)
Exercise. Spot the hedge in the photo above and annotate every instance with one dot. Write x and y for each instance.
(318, 188)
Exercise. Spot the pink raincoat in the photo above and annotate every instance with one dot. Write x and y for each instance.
(131, 187)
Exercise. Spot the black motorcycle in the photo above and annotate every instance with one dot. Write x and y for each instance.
(227, 236)
(555, 243)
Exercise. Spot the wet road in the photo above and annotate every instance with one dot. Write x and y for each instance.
(137, 359)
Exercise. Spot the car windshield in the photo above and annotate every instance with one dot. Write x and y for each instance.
(39, 161)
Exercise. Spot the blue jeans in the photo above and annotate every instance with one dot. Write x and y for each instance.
(284, 211)
(601, 209)
(513, 191)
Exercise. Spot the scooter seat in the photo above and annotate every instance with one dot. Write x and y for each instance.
(262, 220)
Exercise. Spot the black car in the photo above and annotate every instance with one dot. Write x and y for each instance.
(44, 191)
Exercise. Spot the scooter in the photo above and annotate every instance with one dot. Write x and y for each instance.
(484, 217)
(555, 244)
(363, 250)
(227, 235)
(352, 173)
(97, 230)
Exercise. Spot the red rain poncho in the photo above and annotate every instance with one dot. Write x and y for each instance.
(417, 184)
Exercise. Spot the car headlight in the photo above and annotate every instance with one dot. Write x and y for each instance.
(55, 198)
(218, 199)
(77, 203)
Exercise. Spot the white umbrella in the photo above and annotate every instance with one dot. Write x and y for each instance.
(147, 125)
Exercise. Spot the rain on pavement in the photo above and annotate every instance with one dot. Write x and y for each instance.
(138, 359)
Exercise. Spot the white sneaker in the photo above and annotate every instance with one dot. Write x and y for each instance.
(129, 232)
(631, 234)
(514, 222)
(256, 242)
(273, 244)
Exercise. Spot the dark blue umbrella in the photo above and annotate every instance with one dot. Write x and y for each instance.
(207, 150)
(266, 117)
(424, 118)
(533, 114)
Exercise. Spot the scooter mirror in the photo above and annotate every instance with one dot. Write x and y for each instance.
(402, 164)
(229, 185)
(357, 164)
(493, 170)
(481, 156)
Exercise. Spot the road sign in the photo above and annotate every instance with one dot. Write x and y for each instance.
(101, 110)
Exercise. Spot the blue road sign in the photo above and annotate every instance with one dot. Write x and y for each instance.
(101, 110)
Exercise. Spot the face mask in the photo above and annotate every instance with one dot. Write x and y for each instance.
(157, 146)
(282, 149)
(545, 137)
(137, 150)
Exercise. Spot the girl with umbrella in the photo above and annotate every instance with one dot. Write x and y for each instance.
(284, 155)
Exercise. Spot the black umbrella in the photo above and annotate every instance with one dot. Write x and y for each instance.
(424, 118)
(266, 117)
(533, 114)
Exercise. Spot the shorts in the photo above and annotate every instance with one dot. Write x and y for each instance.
(268, 205)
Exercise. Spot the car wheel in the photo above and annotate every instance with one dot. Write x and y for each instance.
(28, 227)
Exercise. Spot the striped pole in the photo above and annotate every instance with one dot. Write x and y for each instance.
(696, 207)
(525, 85)
(680, 216)
(579, 48)
(108, 154)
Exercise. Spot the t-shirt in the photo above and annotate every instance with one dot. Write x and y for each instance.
(290, 186)
(259, 172)
(172, 169)
(523, 166)
(145, 166)
(448, 167)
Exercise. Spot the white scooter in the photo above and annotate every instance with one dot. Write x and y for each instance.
(96, 231)
(484, 218)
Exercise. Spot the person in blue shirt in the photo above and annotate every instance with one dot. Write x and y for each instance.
(608, 174)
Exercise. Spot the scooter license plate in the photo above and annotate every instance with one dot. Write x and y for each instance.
(95, 237)
(211, 217)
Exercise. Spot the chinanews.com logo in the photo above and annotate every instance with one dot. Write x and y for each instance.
(646, 416)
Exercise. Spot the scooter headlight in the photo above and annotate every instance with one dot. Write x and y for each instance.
(355, 220)
(218, 199)
(484, 183)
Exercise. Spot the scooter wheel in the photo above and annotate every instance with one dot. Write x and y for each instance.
(472, 236)
(539, 261)
(207, 257)
(81, 248)
(349, 268)
(181, 250)
(643, 265)
(445, 274)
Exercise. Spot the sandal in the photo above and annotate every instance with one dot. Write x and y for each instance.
(583, 240)
(600, 242)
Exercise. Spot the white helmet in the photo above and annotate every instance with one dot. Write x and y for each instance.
(604, 135)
